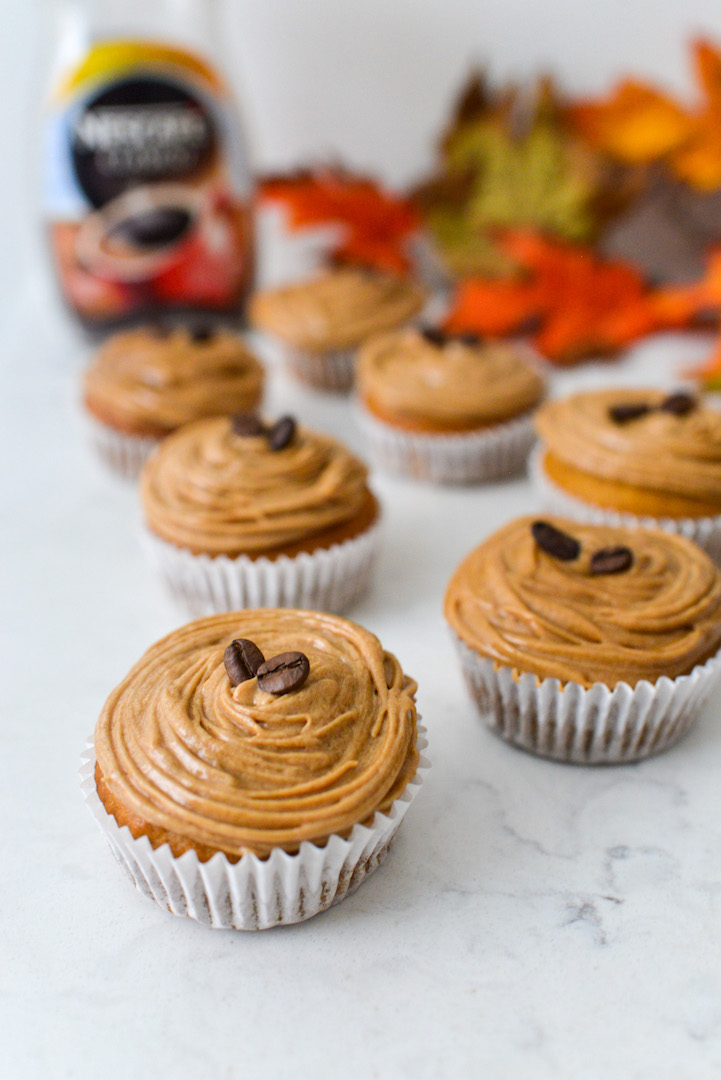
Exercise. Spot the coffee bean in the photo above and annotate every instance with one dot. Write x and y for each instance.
(554, 542)
(202, 332)
(242, 660)
(283, 673)
(611, 560)
(282, 433)
(679, 404)
(247, 424)
(621, 414)
(434, 336)
(153, 228)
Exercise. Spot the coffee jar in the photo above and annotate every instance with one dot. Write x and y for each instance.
(147, 183)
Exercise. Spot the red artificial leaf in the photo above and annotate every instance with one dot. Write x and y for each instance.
(585, 305)
(377, 224)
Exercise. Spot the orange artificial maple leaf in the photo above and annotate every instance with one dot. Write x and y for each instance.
(636, 123)
(376, 224)
(584, 305)
(639, 124)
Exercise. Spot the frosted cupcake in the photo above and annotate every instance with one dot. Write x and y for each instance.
(587, 643)
(322, 321)
(447, 409)
(245, 514)
(145, 383)
(253, 767)
(634, 457)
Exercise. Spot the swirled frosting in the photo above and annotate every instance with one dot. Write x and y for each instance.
(337, 309)
(527, 610)
(236, 769)
(453, 386)
(209, 490)
(147, 383)
(659, 452)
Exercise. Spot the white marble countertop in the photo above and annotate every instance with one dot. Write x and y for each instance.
(533, 920)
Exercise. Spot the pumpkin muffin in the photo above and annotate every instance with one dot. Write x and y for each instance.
(241, 513)
(587, 643)
(445, 408)
(145, 383)
(252, 767)
(322, 321)
(634, 456)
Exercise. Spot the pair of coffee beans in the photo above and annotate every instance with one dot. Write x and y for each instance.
(558, 544)
(435, 336)
(279, 435)
(282, 673)
(678, 404)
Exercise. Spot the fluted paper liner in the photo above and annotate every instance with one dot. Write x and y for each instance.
(705, 531)
(333, 370)
(327, 579)
(123, 453)
(253, 893)
(464, 458)
(586, 726)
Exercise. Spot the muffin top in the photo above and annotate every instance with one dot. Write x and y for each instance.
(445, 382)
(212, 490)
(337, 309)
(646, 438)
(602, 604)
(240, 769)
(151, 380)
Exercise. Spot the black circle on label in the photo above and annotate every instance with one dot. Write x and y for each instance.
(137, 131)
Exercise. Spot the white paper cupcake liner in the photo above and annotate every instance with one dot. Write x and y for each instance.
(327, 579)
(253, 893)
(333, 370)
(586, 726)
(705, 531)
(123, 453)
(465, 458)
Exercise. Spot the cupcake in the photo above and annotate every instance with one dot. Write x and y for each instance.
(253, 767)
(145, 383)
(243, 514)
(321, 322)
(633, 457)
(447, 409)
(587, 643)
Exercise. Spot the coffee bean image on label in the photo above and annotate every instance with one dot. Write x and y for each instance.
(154, 228)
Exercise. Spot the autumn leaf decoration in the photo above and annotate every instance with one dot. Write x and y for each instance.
(575, 303)
(376, 225)
(510, 160)
(640, 125)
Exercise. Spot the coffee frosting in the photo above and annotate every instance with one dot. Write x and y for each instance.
(455, 385)
(148, 383)
(239, 770)
(527, 610)
(660, 452)
(207, 489)
(337, 309)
